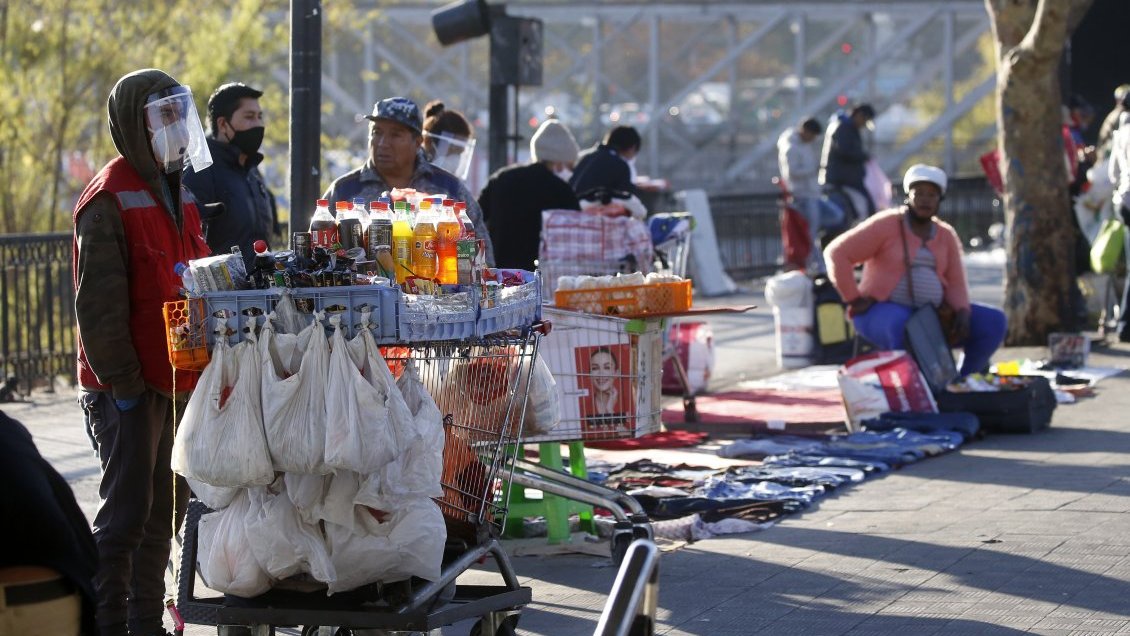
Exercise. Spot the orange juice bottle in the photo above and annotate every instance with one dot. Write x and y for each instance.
(402, 242)
(424, 242)
(448, 230)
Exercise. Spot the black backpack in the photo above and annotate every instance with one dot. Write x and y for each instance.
(832, 331)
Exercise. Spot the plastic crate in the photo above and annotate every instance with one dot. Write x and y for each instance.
(631, 301)
(348, 301)
(351, 302)
(186, 327)
(516, 308)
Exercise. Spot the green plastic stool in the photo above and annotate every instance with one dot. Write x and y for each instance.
(554, 508)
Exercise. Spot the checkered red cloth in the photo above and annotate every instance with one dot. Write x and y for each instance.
(575, 243)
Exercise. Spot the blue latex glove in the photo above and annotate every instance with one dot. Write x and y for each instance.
(126, 405)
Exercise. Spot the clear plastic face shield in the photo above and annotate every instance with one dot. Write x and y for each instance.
(451, 153)
(175, 133)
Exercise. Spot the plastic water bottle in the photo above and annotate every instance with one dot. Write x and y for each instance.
(186, 278)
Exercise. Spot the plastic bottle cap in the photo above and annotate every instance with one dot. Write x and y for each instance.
(260, 246)
(179, 268)
(449, 202)
(343, 205)
(324, 203)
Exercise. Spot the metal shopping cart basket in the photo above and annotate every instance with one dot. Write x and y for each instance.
(480, 384)
(607, 371)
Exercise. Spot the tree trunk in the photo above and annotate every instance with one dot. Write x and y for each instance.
(1040, 272)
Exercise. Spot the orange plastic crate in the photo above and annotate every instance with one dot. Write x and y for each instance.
(185, 334)
(633, 301)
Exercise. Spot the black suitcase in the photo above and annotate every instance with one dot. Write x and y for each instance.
(1023, 406)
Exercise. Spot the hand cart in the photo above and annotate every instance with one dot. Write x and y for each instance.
(607, 371)
(474, 506)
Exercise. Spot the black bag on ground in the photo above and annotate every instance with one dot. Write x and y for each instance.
(833, 334)
(1025, 405)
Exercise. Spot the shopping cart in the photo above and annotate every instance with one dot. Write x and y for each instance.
(607, 371)
(481, 386)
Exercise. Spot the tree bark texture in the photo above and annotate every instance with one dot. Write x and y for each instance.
(1030, 38)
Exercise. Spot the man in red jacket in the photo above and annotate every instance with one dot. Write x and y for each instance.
(133, 224)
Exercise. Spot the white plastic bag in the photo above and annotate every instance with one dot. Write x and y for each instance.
(359, 435)
(223, 554)
(220, 439)
(294, 399)
(543, 402)
(215, 497)
(288, 318)
(408, 543)
(282, 543)
(308, 494)
(418, 427)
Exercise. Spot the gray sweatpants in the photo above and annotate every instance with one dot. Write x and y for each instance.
(134, 524)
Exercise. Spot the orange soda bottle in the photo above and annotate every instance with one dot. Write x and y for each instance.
(448, 230)
(424, 262)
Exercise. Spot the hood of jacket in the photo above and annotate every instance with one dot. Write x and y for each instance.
(126, 109)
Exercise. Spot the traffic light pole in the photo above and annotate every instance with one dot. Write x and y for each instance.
(305, 110)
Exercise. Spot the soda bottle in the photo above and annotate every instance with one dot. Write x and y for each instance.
(448, 230)
(263, 273)
(380, 239)
(362, 213)
(402, 242)
(348, 226)
(186, 278)
(323, 228)
(424, 242)
(468, 226)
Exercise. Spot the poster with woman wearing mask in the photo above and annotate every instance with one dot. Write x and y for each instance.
(607, 402)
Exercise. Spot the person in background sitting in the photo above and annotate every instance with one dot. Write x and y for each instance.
(910, 259)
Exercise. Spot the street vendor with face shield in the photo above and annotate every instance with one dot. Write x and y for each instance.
(132, 224)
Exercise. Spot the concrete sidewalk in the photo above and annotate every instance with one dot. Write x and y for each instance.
(1008, 534)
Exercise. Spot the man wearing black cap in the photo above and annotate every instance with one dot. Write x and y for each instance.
(239, 209)
(396, 160)
(843, 164)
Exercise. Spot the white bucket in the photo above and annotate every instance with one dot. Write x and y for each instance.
(794, 336)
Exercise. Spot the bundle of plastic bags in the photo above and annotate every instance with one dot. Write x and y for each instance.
(358, 455)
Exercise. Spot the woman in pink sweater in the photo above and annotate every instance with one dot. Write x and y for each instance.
(911, 259)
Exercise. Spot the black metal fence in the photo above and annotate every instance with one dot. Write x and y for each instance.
(37, 324)
(749, 231)
(37, 317)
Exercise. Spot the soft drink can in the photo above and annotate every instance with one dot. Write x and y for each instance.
(302, 246)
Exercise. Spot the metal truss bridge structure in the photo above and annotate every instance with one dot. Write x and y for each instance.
(710, 85)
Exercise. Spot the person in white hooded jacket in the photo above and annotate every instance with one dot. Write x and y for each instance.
(799, 162)
(1119, 167)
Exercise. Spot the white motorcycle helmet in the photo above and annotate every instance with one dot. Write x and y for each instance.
(921, 172)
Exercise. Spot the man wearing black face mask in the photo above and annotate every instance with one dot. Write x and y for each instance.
(238, 209)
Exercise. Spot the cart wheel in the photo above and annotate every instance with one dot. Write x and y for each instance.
(242, 630)
(620, 544)
(509, 627)
(312, 630)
